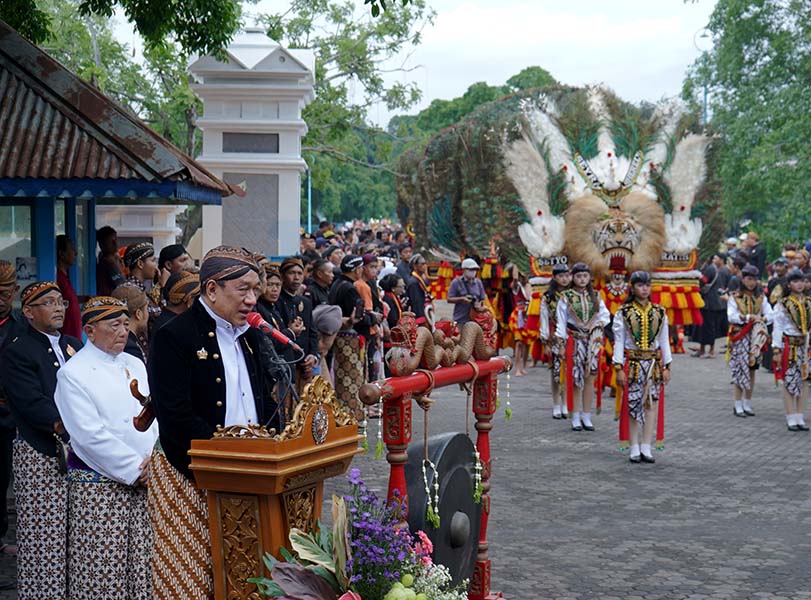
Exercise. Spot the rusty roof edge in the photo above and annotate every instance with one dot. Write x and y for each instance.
(152, 152)
(9, 63)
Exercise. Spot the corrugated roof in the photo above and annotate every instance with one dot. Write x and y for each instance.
(54, 125)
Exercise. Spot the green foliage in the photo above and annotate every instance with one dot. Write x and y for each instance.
(351, 172)
(204, 26)
(756, 76)
(528, 78)
(86, 46)
(27, 18)
(377, 6)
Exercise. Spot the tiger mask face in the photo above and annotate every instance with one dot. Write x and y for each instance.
(629, 237)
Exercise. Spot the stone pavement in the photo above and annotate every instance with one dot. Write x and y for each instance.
(724, 513)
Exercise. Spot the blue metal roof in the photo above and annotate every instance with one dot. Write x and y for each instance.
(123, 190)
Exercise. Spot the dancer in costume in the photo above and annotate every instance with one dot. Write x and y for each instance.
(561, 280)
(581, 316)
(522, 336)
(792, 317)
(748, 312)
(642, 363)
(615, 292)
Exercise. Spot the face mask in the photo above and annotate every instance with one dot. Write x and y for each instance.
(470, 273)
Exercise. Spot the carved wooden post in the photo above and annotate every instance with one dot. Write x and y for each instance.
(397, 436)
(484, 407)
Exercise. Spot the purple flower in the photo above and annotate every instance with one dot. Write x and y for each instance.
(354, 477)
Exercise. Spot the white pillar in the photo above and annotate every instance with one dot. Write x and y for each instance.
(252, 130)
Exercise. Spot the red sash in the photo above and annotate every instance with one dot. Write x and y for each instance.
(569, 373)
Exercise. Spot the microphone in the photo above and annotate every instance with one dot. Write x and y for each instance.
(256, 321)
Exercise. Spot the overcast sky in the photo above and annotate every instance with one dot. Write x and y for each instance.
(638, 48)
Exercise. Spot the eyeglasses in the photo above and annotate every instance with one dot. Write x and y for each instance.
(51, 303)
(6, 294)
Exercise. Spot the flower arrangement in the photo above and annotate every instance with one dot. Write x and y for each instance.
(366, 556)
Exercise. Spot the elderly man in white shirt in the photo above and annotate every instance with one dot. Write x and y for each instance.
(110, 540)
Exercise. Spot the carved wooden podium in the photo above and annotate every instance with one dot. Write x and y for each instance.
(260, 485)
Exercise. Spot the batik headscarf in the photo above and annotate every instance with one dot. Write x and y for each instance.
(136, 252)
(8, 274)
(180, 287)
(103, 308)
(226, 262)
(37, 290)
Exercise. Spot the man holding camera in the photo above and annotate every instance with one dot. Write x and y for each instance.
(466, 293)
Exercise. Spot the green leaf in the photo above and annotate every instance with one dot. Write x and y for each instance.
(268, 587)
(327, 576)
(308, 549)
(270, 561)
(287, 556)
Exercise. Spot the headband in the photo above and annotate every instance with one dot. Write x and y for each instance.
(8, 274)
(226, 262)
(37, 290)
(182, 286)
(136, 252)
(102, 308)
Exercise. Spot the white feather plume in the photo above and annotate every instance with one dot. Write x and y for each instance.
(544, 236)
(682, 233)
(667, 117)
(687, 171)
(544, 131)
(528, 172)
(609, 167)
(596, 100)
(684, 178)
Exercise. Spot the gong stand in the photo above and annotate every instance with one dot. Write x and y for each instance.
(397, 394)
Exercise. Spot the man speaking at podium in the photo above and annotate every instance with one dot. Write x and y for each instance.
(205, 370)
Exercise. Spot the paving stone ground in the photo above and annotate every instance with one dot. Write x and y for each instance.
(724, 513)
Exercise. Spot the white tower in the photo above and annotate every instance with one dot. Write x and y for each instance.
(252, 130)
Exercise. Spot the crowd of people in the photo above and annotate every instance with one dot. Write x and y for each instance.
(106, 502)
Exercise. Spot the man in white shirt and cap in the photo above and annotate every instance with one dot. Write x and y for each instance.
(109, 537)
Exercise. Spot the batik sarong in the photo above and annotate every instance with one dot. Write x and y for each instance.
(181, 560)
(109, 539)
(41, 494)
(585, 361)
(794, 370)
(350, 370)
(744, 352)
(642, 393)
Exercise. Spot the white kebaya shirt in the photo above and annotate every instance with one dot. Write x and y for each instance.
(96, 405)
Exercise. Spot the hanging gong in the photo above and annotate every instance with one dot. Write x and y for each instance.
(456, 541)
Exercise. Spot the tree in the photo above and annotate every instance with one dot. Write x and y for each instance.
(756, 76)
(354, 52)
(87, 47)
(531, 77)
(444, 113)
(204, 27)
